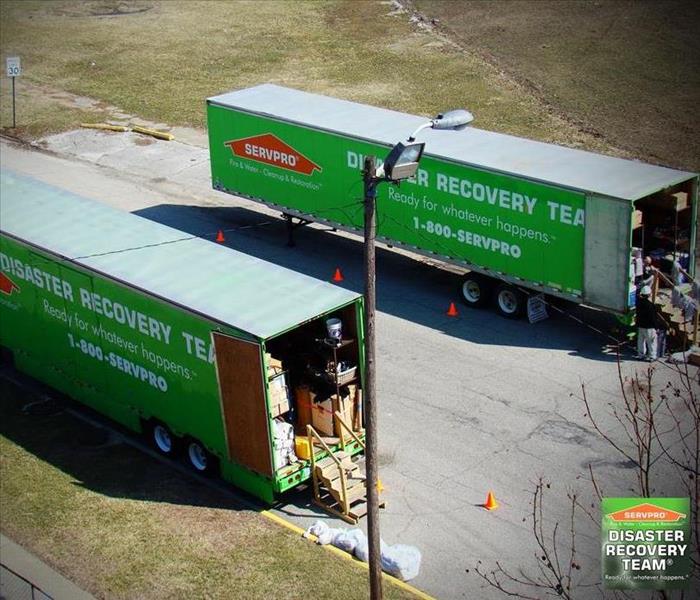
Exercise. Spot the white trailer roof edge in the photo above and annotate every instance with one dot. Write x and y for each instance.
(221, 284)
(546, 163)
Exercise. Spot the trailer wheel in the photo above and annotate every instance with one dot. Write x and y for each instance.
(476, 290)
(510, 302)
(163, 439)
(200, 460)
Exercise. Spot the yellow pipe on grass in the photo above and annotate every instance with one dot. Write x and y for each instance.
(161, 135)
(105, 126)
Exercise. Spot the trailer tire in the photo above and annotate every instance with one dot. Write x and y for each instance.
(510, 301)
(476, 290)
(163, 440)
(199, 459)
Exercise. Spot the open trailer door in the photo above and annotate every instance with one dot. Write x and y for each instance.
(243, 406)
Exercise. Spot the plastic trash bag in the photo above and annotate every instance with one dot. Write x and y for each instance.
(324, 533)
(362, 548)
(401, 561)
(349, 539)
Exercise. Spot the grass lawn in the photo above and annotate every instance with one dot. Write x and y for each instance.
(629, 71)
(123, 525)
(160, 60)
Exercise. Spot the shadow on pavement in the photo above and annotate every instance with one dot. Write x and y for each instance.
(406, 288)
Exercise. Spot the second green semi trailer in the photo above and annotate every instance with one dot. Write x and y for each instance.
(206, 350)
(519, 214)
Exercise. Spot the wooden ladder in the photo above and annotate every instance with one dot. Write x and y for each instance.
(340, 487)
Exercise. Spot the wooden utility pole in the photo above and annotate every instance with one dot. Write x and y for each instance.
(370, 387)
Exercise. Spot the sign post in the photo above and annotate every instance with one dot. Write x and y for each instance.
(14, 70)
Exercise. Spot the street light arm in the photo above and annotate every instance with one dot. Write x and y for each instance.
(412, 137)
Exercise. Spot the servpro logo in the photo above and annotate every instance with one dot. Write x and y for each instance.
(7, 286)
(269, 149)
(646, 513)
(645, 543)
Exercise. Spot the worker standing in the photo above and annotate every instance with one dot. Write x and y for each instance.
(647, 322)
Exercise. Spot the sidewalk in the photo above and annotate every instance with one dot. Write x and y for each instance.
(16, 558)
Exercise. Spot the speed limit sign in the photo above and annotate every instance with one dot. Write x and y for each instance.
(14, 68)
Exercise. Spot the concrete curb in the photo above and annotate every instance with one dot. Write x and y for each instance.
(36, 571)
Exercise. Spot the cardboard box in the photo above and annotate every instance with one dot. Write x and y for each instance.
(637, 219)
(680, 199)
(279, 409)
(322, 415)
(274, 365)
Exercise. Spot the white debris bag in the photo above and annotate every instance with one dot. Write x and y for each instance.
(362, 549)
(349, 540)
(401, 561)
(325, 534)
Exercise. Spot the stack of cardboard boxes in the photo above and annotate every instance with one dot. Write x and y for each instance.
(279, 391)
(322, 412)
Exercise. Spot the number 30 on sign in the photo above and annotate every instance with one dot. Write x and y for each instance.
(14, 68)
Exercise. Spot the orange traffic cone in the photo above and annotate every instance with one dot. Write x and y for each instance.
(220, 236)
(338, 275)
(452, 311)
(490, 503)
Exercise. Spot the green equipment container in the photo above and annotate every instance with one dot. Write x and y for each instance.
(519, 214)
(161, 331)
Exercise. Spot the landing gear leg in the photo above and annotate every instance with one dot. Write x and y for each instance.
(291, 226)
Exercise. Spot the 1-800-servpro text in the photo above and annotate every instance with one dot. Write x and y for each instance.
(467, 237)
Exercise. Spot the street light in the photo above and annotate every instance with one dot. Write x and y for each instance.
(401, 163)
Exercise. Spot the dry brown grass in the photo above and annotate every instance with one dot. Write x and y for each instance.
(162, 62)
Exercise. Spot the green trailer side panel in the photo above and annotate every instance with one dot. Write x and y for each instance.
(119, 351)
(496, 222)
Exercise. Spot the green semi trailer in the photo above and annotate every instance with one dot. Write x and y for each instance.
(519, 215)
(188, 341)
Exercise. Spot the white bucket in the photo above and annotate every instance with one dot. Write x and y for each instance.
(335, 328)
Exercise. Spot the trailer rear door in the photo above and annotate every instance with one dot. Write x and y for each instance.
(607, 252)
(243, 406)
